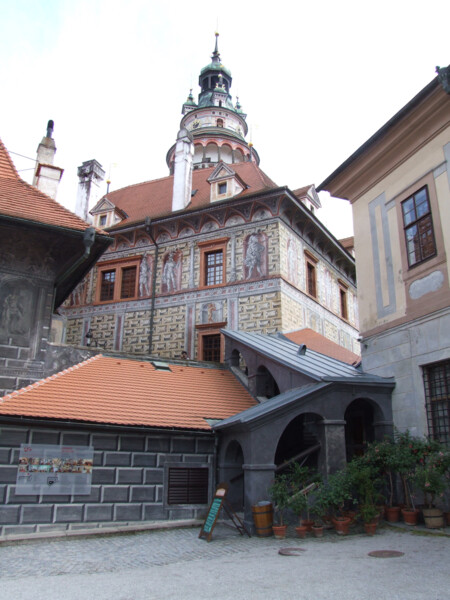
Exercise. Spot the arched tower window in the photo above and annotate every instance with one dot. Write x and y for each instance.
(219, 122)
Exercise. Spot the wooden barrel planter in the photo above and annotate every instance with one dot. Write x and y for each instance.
(433, 517)
(263, 518)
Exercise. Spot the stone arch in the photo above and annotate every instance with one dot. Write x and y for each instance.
(238, 361)
(226, 154)
(198, 153)
(238, 156)
(212, 152)
(360, 416)
(299, 442)
(266, 384)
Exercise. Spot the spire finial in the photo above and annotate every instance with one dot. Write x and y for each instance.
(50, 126)
(216, 54)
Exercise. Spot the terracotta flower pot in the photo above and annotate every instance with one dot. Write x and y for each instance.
(410, 516)
(301, 531)
(392, 514)
(341, 525)
(308, 523)
(317, 531)
(279, 531)
(370, 528)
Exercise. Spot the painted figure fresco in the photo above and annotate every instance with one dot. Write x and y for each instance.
(255, 256)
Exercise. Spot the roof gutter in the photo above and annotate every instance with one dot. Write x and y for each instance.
(92, 425)
(88, 241)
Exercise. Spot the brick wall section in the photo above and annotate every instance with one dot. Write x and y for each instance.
(135, 332)
(128, 480)
(292, 314)
(260, 313)
(74, 331)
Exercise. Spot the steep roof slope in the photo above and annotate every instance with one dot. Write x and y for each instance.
(20, 200)
(154, 198)
(130, 392)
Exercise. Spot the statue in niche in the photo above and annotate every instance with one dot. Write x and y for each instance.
(171, 272)
(255, 256)
(144, 276)
(211, 313)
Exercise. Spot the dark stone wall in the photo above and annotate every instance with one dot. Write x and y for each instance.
(129, 479)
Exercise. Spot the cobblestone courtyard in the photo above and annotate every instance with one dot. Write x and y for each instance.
(176, 564)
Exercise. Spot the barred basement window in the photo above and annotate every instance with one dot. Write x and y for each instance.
(436, 379)
(187, 485)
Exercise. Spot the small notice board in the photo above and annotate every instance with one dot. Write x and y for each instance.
(217, 503)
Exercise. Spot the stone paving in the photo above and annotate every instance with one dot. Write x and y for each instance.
(160, 564)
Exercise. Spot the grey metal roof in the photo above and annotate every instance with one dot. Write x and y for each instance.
(272, 405)
(312, 364)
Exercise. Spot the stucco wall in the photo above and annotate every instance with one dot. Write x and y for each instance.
(379, 237)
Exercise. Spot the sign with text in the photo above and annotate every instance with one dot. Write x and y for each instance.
(213, 511)
(56, 470)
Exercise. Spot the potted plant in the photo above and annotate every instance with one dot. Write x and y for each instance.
(383, 457)
(303, 479)
(430, 478)
(369, 514)
(337, 492)
(320, 509)
(365, 479)
(298, 503)
(280, 494)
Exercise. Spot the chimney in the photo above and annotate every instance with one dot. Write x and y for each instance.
(90, 176)
(182, 178)
(46, 176)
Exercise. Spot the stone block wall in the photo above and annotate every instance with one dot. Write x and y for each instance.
(129, 478)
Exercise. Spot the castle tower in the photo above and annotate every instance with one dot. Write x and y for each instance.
(217, 126)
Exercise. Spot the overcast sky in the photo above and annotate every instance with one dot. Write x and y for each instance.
(316, 79)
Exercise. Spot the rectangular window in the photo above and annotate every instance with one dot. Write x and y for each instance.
(418, 226)
(108, 279)
(102, 220)
(222, 188)
(311, 279)
(211, 347)
(128, 287)
(436, 379)
(213, 262)
(343, 292)
(214, 267)
(117, 281)
(187, 485)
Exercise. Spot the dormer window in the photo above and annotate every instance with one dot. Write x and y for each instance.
(222, 188)
(102, 220)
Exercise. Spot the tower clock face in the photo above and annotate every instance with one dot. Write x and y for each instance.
(195, 124)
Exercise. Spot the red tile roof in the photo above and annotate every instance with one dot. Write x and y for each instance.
(154, 198)
(323, 345)
(130, 392)
(21, 200)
